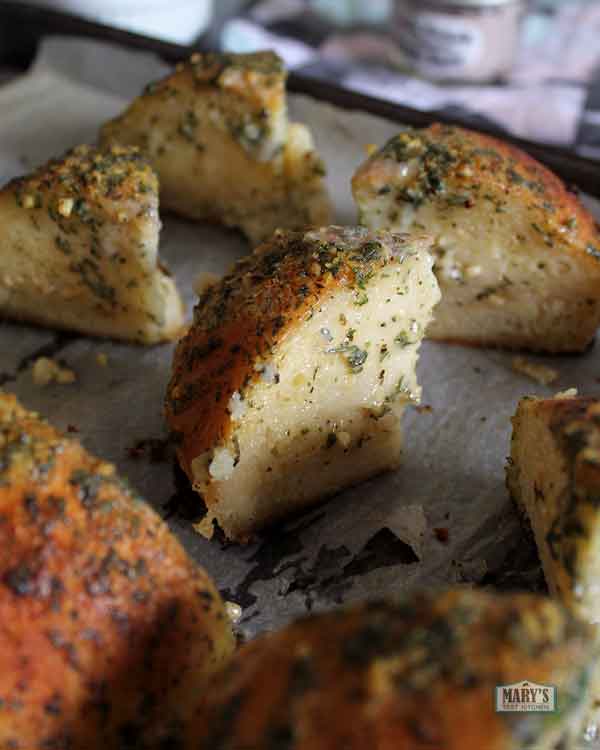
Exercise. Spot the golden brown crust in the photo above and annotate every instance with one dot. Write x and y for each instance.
(417, 674)
(459, 167)
(242, 318)
(105, 625)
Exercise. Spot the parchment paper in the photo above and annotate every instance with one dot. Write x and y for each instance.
(384, 536)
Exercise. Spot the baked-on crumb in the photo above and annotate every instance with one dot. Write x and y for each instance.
(540, 373)
(442, 534)
(79, 248)
(46, 370)
(234, 612)
(517, 255)
(108, 630)
(216, 130)
(293, 378)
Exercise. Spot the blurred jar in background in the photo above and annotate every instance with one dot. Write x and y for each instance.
(174, 20)
(458, 40)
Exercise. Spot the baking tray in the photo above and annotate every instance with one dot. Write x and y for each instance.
(445, 517)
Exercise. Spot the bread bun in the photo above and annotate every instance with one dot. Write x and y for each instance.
(107, 629)
(416, 674)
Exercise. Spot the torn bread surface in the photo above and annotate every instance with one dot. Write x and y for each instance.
(517, 256)
(79, 248)
(293, 379)
(217, 133)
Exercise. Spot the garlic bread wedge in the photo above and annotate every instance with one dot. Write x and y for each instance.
(418, 673)
(79, 247)
(517, 256)
(291, 383)
(217, 133)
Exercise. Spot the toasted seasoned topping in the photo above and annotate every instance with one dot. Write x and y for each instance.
(540, 373)
(85, 176)
(210, 67)
(455, 167)
(576, 423)
(305, 260)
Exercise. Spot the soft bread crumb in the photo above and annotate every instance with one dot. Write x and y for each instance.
(234, 612)
(569, 393)
(237, 406)
(46, 371)
(591, 732)
(539, 373)
(344, 438)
